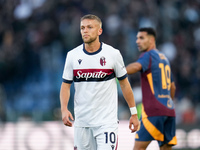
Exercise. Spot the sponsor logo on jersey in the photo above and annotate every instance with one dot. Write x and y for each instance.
(87, 75)
(103, 61)
(93, 74)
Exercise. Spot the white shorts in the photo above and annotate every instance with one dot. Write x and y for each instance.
(96, 138)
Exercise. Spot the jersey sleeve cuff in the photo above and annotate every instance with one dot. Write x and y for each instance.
(67, 81)
(123, 77)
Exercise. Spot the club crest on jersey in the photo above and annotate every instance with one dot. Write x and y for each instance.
(103, 61)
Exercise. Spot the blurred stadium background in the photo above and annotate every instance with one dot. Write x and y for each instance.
(35, 36)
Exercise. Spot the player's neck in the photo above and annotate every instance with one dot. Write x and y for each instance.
(153, 46)
(92, 47)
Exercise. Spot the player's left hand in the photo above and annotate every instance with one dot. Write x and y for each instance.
(134, 123)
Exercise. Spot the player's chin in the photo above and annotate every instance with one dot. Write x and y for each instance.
(141, 50)
(86, 39)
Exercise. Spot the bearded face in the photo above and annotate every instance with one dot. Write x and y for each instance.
(90, 30)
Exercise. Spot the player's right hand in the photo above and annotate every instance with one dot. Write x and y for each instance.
(66, 115)
(134, 123)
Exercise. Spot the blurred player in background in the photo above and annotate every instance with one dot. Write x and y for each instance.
(158, 90)
(94, 67)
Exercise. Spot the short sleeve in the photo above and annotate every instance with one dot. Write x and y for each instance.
(144, 60)
(68, 70)
(119, 67)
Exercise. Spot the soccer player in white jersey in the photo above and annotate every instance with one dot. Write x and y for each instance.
(94, 67)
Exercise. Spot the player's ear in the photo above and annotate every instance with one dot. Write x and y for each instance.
(100, 31)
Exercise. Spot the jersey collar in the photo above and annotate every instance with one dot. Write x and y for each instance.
(93, 52)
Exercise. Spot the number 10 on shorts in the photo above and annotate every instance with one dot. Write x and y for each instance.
(110, 136)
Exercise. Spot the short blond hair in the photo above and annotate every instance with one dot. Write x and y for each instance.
(92, 17)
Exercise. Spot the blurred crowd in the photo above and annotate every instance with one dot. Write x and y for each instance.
(35, 36)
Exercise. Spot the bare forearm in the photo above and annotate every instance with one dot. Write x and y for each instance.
(133, 68)
(64, 96)
(64, 99)
(127, 92)
(128, 95)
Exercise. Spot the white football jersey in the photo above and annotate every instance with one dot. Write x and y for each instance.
(94, 76)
